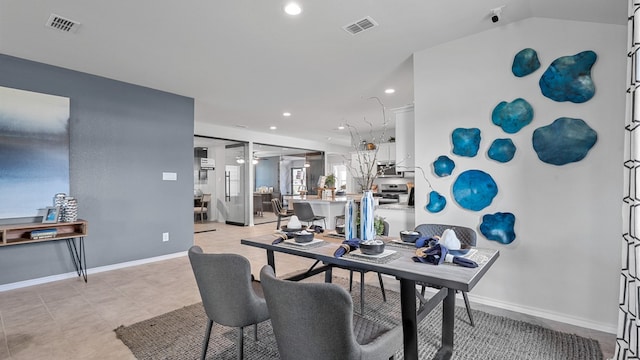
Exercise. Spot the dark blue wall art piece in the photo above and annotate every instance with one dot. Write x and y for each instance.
(513, 116)
(436, 202)
(525, 62)
(466, 142)
(566, 140)
(502, 150)
(474, 190)
(568, 78)
(499, 227)
(443, 166)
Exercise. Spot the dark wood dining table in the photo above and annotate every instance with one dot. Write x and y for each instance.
(449, 277)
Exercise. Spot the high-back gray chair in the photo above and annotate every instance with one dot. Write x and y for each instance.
(304, 212)
(229, 294)
(316, 321)
(385, 232)
(280, 212)
(467, 236)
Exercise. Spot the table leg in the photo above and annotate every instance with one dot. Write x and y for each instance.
(409, 321)
(78, 257)
(271, 260)
(448, 316)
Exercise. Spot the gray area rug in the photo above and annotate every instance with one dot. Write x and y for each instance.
(179, 334)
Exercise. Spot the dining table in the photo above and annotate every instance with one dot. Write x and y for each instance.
(397, 262)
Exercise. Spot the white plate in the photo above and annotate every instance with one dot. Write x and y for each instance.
(385, 253)
(293, 242)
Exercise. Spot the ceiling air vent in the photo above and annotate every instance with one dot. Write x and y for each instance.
(62, 24)
(360, 25)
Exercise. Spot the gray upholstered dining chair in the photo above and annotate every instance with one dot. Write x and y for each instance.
(202, 210)
(280, 212)
(385, 232)
(229, 295)
(304, 212)
(316, 321)
(467, 236)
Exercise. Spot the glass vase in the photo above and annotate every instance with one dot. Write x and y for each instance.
(350, 220)
(367, 219)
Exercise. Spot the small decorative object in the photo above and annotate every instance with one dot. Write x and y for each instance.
(466, 142)
(499, 227)
(58, 201)
(371, 146)
(409, 236)
(303, 236)
(513, 116)
(502, 150)
(566, 140)
(525, 62)
(378, 225)
(568, 78)
(70, 209)
(443, 166)
(51, 214)
(294, 223)
(436, 203)
(372, 247)
(474, 190)
(350, 220)
(367, 219)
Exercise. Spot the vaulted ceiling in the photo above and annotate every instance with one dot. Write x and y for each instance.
(246, 62)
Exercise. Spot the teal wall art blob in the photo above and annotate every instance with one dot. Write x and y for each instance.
(513, 116)
(525, 62)
(502, 150)
(436, 202)
(564, 141)
(443, 166)
(474, 190)
(568, 78)
(466, 142)
(499, 227)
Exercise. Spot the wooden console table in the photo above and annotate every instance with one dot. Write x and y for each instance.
(16, 234)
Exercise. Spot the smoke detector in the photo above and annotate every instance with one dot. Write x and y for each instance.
(360, 25)
(63, 24)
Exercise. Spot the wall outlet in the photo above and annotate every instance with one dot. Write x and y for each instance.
(165, 236)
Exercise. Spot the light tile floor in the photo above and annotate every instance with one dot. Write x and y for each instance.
(69, 319)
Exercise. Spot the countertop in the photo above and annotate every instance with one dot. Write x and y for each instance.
(395, 207)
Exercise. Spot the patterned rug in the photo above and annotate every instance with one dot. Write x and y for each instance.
(178, 335)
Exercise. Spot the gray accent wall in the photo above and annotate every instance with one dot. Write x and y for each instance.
(122, 137)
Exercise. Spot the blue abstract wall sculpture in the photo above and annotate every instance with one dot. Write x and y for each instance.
(474, 190)
(499, 227)
(502, 150)
(513, 116)
(436, 202)
(525, 62)
(568, 78)
(566, 140)
(466, 142)
(443, 166)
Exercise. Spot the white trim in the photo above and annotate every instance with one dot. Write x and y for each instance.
(539, 313)
(73, 274)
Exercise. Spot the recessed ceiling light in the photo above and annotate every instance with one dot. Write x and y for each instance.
(286, 114)
(292, 9)
(389, 91)
(340, 127)
(272, 127)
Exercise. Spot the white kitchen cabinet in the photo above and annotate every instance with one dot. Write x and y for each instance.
(399, 218)
(386, 152)
(405, 138)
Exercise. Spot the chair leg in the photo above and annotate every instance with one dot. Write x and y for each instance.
(362, 293)
(350, 280)
(205, 343)
(422, 290)
(384, 295)
(240, 343)
(278, 224)
(466, 303)
(255, 331)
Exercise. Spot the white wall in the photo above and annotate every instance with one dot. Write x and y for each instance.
(565, 261)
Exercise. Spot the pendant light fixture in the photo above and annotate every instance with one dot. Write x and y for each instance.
(306, 162)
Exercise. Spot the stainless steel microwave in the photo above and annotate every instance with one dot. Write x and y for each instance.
(388, 169)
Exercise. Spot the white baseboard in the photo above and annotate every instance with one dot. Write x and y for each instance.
(539, 313)
(99, 269)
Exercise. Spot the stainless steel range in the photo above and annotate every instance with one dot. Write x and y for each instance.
(390, 193)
